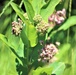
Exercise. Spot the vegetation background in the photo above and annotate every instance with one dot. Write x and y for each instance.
(7, 58)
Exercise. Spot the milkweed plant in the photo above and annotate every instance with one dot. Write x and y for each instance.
(44, 29)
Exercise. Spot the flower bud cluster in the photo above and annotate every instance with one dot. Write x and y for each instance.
(48, 53)
(58, 17)
(37, 19)
(26, 16)
(41, 25)
(17, 27)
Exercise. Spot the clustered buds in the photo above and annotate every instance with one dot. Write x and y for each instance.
(58, 17)
(37, 18)
(41, 25)
(48, 53)
(26, 16)
(17, 27)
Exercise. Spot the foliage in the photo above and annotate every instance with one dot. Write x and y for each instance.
(46, 41)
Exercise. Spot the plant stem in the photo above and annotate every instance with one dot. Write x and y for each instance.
(70, 7)
(73, 62)
(20, 5)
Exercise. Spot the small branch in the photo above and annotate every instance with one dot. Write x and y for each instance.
(70, 7)
(20, 7)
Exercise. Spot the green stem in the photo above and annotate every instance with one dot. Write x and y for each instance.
(26, 53)
(73, 64)
(20, 5)
(70, 7)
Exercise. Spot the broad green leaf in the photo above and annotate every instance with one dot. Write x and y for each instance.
(4, 39)
(29, 9)
(24, 38)
(16, 8)
(31, 34)
(58, 68)
(7, 61)
(71, 21)
(16, 43)
(37, 5)
(47, 11)
(43, 71)
(5, 55)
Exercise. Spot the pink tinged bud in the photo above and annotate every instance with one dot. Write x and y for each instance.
(41, 54)
(48, 52)
(51, 18)
(64, 11)
(45, 58)
(51, 56)
(62, 19)
(61, 13)
(57, 43)
(39, 59)
(48, 46)
(59, 19)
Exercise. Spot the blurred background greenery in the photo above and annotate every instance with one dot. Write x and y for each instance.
(7, 58)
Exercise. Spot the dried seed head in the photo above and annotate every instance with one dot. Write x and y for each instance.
(17, 27)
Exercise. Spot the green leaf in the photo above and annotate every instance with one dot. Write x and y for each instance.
(31, 34)
(24, 38)
(18, 11)
(7, 60)
(63, 50)
(71, 21)
(43, 71)
(4, 39)
(29, 9)
(16, 43)
(37, 5)
(16, 8)
(47, 11)
(58, 68)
